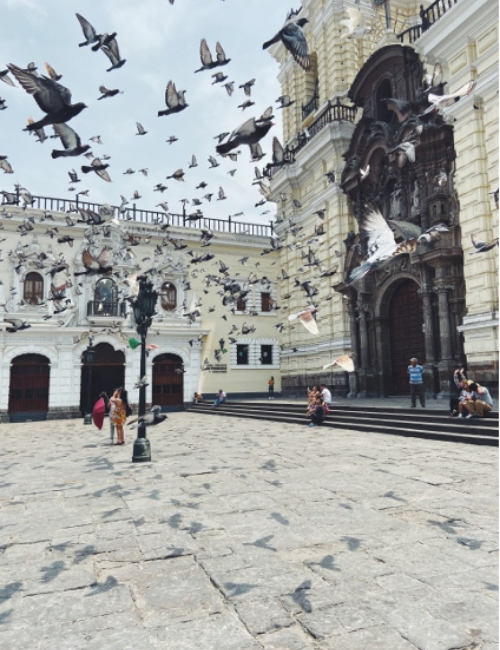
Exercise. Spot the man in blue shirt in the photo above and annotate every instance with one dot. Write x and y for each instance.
(415, 373)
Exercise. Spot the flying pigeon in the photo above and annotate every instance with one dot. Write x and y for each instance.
(250, 132)
(174, 100)
(91, 36)
(53, 98)
(96, 265)
(437, 102)
(307, 319)
(17, 325)
(247, 87)
(112, 52)
(355, 24)
(292, 37)
(380, 243)
(154, 417)
(178, 175)
(345, 362)
(207, 62)
(481, 246)
(71, 142)
(99, 168)
(106, 92)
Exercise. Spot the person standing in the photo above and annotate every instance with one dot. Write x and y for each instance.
(415, 373)
(119, 417)
(270, 384)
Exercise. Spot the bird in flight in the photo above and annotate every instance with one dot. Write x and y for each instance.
(293, 38)
(53, 98)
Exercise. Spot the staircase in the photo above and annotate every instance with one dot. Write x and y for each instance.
(415, 423)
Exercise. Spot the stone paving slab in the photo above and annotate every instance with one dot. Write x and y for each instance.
(245, 536)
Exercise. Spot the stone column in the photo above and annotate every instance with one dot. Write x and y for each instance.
(364, 349)
(444, 322)
(445, 366)
(426, 293)
(353, 376)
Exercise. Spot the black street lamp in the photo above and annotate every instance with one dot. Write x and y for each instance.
(144, 310)
(89, 360)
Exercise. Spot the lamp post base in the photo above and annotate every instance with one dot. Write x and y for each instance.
(88, 418)
(142, 451)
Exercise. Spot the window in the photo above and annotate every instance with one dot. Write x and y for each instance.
(241, 304)
(33, 289)
(168, 296)
(242, 355)
(384, 91)
(266, 355)
(105, 298)
(265, 301)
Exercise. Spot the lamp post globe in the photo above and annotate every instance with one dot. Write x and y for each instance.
(89, 360)
(143, 308)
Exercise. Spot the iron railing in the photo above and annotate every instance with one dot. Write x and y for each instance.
(106, 308)
(428, 17)
(311, 106)
(332, 113)
(134, 214)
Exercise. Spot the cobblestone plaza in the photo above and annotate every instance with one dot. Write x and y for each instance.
(246, 535)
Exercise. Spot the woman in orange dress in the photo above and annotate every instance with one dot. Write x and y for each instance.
(119, 417)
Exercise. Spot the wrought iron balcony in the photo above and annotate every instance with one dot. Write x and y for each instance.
(428, 17)
(106, 309)
(310, 107)
(332, 113)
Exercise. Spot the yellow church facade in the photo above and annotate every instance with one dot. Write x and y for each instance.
(342, 140)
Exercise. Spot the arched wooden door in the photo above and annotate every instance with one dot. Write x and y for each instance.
(407, 337)
(29, 384)
(108, 373)
(168, 380)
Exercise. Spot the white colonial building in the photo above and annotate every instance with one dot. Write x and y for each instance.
(229, 341)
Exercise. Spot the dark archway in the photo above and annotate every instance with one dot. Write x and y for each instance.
(29, 387)
(108, 373)
(168, 380)
(407, 340)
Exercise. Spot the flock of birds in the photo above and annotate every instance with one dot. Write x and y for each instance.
(55, 101)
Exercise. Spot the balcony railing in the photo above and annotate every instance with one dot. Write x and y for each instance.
(428, 17)
(107, 309)
(134, 214)
(333, 113)
(311, 106)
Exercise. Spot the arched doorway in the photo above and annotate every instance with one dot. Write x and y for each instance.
(406, 332)
(168, 380)
(29, 387)
(108, 373)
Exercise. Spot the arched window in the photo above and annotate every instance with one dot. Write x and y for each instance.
(168, 296)
(384, 91)
(105, 298)
(33, 288)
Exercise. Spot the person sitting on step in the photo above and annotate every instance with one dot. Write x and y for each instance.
(316, 412)
(482, 402)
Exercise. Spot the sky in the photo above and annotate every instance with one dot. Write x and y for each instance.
(160, 42)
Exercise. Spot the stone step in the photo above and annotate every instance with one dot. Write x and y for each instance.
(465, 431)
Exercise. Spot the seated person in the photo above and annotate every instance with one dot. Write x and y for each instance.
(316, 412)
(481, 403)
(220, 399)
(197, 398)
(464, 398)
